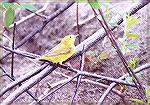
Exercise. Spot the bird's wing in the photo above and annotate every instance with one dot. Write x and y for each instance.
(57, 51)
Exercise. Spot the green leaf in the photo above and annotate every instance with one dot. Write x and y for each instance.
(94, 4)
(132, 35)
(131, 46)
(130, 21)
(7, 5)
(81, 1)
(137, 100)
(132, 62)
(148, 95)
(9, 17)
(107, 13)
(1, 7)
(29, 6)
(15, 5)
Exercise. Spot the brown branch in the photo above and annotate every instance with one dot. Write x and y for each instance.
(13, 78)
(22, 53)
(29, 84)
(86, 81)
(114, 44)
(146, 66)
(80, 76)
(78, 27)
(42, 98)
(31, 15)
(120, 54)
(45, 72)
(13, 45)
(22, 79)
(112, 85)
(49, 18)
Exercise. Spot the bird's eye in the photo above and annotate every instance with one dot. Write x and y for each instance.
(70, 37)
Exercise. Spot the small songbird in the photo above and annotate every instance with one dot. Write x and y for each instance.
(61, 52)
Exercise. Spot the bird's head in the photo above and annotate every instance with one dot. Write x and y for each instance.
(69, 39)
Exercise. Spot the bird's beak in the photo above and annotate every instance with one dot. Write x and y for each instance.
(76, 35)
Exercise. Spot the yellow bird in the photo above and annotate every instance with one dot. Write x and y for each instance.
(61, 52)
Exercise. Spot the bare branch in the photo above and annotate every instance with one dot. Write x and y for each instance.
(80, 76)
(22, 53)
(13, 45)
(146, 66)
(68, 78)
(100, 34)
(13, 78)
(31, 15)
(22, 79)
(139, 69)
(49, 18)
(42, 98)
(29, 84)
(120, 54)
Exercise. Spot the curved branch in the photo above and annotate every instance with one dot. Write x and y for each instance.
(139, 69)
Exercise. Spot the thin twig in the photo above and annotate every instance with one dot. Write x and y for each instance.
(13, 78)
(80, 76)
(100, 34)
(13, 45)
(146, 66)
(83, 80)
(68, 78)
(115, 45)
(29, 84)
(42, 98)
(22, 53)
(44, 73)
(42, 16)
(81, 58)
(7, 37)
(78, 27)
(22, 79)
(74, 70)
(31, 15)
(86, 73)
(49, 18)
(112, 85)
